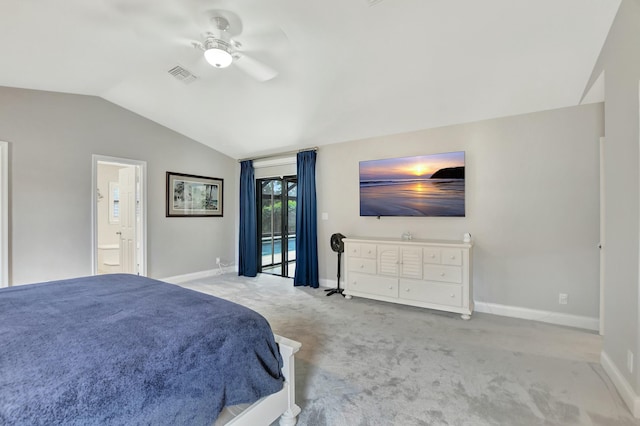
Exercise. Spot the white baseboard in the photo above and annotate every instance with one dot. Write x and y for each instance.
(325, 283)
(193, 276)
(559, 318)
(622, 385)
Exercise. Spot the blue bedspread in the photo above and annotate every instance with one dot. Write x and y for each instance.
(127, 350)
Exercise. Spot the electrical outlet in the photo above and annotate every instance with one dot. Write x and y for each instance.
(217, 260)
(630, 361)
(563, 298)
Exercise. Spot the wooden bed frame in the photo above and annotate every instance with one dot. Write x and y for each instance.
(280, 404)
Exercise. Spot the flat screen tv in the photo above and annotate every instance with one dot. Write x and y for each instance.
(426, 185)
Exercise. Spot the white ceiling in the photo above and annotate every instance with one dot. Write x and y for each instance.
(347, 69)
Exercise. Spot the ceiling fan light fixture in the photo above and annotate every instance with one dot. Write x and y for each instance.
(218, 58)
(218, 53)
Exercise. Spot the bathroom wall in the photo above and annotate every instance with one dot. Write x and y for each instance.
(106, 231)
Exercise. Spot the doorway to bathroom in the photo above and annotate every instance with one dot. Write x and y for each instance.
(119, 216)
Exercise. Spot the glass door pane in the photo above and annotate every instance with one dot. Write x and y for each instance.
(276, 218)
(292, 201)
(270, 205)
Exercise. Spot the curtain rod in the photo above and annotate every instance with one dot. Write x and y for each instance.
(280, 154)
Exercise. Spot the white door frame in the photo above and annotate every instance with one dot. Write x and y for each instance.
(143, 208)
(602, 244)
(4, 214)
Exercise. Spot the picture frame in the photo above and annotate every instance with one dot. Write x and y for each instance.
(194, 196)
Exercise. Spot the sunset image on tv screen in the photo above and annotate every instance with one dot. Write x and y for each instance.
(427, 185)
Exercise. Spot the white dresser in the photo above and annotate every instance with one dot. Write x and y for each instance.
(433, 274)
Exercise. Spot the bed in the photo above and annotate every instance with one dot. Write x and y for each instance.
(122, 349)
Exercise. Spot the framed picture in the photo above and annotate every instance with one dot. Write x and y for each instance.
(196, 196)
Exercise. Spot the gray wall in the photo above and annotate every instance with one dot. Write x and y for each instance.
(620, 60)
(532, 204)
(52, 138)
(532, 195)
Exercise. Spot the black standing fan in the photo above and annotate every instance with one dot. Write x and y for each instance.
(338, 246)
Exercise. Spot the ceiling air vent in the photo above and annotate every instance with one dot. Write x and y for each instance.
(182, 74)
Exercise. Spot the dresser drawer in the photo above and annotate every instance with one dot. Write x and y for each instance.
(368, 251)
(372, 284)
(438, 293)
(367, 266)
(431, 255)
(448, 274)
(353, 250)
(451, 257)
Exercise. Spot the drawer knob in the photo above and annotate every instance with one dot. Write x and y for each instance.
(433, 256)
(390, 287)
(453, 295)
(407, 290)
(361, 266)
(453, 257)
(442, 274)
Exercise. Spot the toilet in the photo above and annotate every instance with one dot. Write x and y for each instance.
(109, 259)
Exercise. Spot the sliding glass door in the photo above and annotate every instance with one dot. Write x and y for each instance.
(277, 199)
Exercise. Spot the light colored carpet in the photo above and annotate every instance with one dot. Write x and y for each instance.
(366, 363)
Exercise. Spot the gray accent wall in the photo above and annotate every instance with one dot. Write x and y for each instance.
(52, 138)
(532, 204)
(620, 61)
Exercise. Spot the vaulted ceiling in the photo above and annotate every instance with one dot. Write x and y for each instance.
(347, 69)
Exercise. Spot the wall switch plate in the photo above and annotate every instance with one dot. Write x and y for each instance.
(325, 216)
(217, 260)
(630, 361)
(563, 298)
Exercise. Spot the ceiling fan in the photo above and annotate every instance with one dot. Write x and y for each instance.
(221, 50)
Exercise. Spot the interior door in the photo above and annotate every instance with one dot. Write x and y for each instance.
(127, 232)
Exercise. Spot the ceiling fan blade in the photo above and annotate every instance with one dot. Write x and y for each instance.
(272, 40)
(254, 68)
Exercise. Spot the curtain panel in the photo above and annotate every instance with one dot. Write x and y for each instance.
(306, 222)
(248, 244)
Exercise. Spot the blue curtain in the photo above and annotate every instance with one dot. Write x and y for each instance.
(306, 222)
(248, 253)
